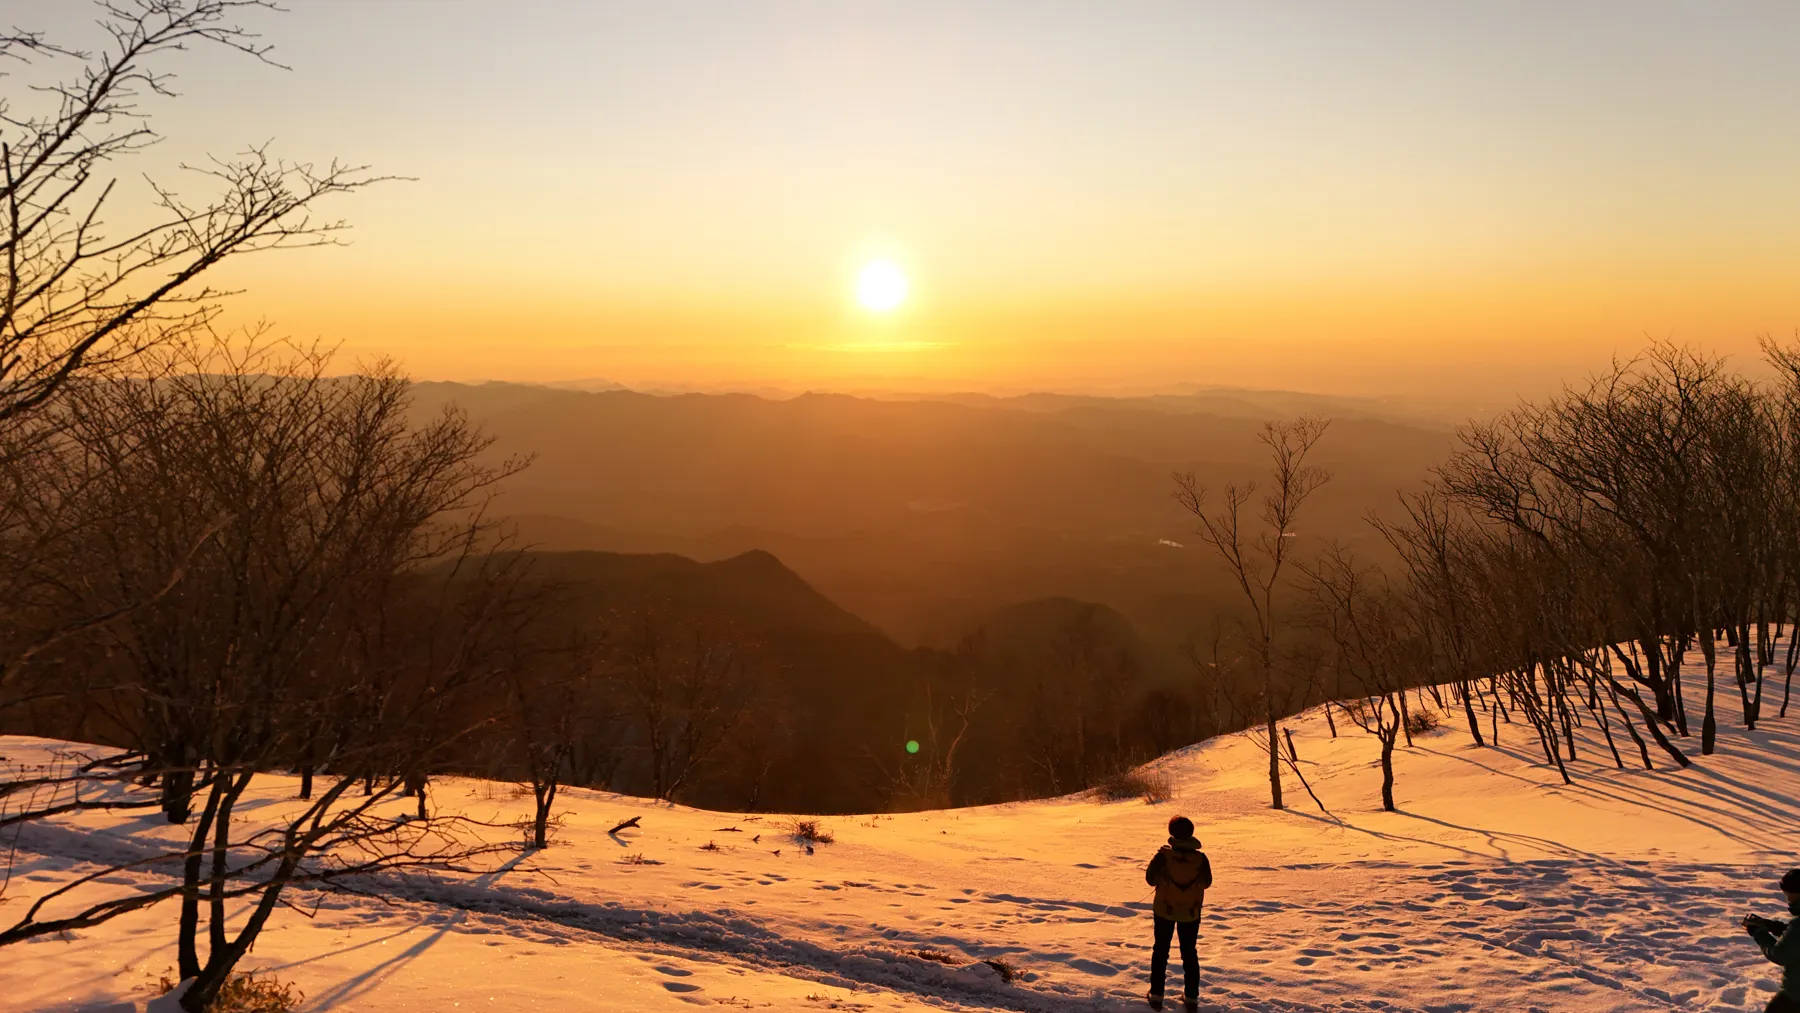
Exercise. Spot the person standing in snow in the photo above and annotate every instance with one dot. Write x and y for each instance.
(1780, 942)
(1181, 873)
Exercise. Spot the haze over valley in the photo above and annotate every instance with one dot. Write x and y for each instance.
(925, 516)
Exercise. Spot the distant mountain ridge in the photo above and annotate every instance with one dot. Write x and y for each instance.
(1216, 399)
(920, 516)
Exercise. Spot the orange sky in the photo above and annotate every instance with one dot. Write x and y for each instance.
(1332, 196)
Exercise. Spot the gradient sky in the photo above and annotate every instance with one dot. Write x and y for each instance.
(1334, 196)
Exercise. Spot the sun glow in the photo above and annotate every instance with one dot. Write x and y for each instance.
(880, 286)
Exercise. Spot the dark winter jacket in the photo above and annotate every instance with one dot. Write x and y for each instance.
(1181, 873)
(1783, 948)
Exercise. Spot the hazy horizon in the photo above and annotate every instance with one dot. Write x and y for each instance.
(1379, 198)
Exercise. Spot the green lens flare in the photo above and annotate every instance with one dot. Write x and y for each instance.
(912, 745)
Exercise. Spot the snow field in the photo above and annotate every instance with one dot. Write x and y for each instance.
(1496, 888)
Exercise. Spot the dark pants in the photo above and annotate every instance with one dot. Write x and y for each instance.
(1782, 1003)
(1190, 956)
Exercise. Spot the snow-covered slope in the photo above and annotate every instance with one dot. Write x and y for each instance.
(1496, 888)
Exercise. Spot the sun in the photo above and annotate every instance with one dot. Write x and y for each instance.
(880, 286)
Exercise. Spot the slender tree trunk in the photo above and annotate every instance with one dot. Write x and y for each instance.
(546, 796)
(1594, 708)
(1756, 700)
(1624, 716)
(1387, 770)
(178, 793)
(211, 978)
(1545, 719)
(1469, 712)
(1672, 672)
(1655, 678)
(1546, 734)
(221, 863)
(1268, 679)
(1787, 689)
(1651, 723)
(187, 925)
(1709, 725)
(1746, 673)
(1274, 764)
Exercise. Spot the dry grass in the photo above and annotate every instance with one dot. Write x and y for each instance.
(1008, 971)
(1421, 721)
(637, 859)
(246, 993)
(935, 956)
(1153, 786)
(808, 831)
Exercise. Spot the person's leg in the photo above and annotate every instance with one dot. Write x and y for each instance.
(1190, 958)
(1159, 953)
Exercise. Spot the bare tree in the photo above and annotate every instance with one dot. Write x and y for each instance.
(554, 716)
(1257, 558)
(686, 685)
(1378, 644)
(1072, 716)
(76, 297)
(1431, 547)
(925, 774)
(83, 296)
(348, 613)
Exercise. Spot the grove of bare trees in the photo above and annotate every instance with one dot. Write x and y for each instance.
(1575, 562)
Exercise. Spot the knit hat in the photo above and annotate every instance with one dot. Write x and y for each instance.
(1790, 882)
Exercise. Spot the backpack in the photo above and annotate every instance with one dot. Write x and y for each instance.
(1181, 893)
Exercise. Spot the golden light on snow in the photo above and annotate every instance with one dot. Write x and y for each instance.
(880, 286)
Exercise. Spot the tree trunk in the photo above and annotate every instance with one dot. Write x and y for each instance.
(1643, 750)
(1709, 725)
(1654, 676)
(178, 794)
(1672, 672)
(1651, 722)
(1469, 711)
(1746, 673)
(1274, 762)
(1787, 690)
(1594, 708)
(211, 978)
(187, 925)
(540, 820)
(220, 863)
(1387, 770)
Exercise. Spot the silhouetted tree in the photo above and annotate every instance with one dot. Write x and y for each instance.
(1256, 559)
(346, 611)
